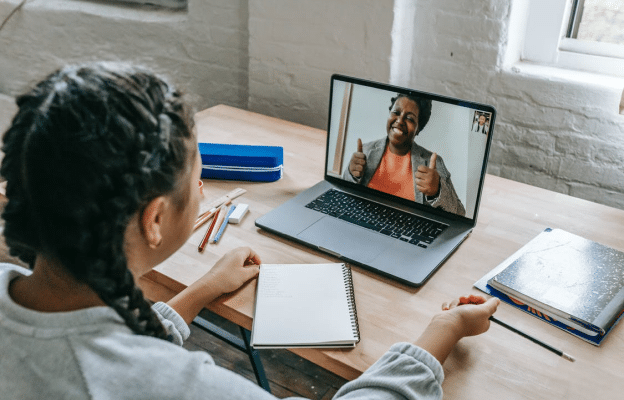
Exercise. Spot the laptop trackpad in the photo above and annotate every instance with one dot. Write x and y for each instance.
(343, 238)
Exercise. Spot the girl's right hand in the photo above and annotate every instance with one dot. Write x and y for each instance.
(229, 273)
(234, 269)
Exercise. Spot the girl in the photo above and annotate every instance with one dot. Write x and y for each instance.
(102, 171)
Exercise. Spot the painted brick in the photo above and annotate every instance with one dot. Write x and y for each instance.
(536, 179)
(554, 130)
(521, 112)
(466, 25)
(483, 9)
(611, 198)
(578, 147)
(591, 173)
(494, 170)
(528, 158)
(460, 51)
(608, 152)
(300, 45)
(197, 54)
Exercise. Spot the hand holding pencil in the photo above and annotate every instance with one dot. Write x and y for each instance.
(473, 318)
(476, 300)
(452, 324)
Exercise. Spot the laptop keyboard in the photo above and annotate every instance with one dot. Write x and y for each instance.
(378, 217)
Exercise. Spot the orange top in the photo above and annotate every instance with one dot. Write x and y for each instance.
(394, 175)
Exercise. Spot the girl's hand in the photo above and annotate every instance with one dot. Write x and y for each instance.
(452, 324)
(234, 269)
(473, 317)
(228, 274)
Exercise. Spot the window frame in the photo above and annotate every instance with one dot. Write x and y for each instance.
(547, 43)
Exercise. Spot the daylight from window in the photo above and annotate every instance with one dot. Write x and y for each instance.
(602, 21)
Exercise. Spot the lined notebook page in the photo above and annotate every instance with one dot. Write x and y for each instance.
(302, 304)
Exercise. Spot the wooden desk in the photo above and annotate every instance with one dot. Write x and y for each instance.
(497, 364)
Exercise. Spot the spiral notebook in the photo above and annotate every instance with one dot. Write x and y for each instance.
(305, 305)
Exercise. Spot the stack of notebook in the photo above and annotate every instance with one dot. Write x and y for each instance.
(570, 282)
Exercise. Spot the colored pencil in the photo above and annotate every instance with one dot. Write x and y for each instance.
(215, 204)
(204, 241)
(224, 224)
(219, 220)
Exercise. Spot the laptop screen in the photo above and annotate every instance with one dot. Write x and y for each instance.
(388, 139)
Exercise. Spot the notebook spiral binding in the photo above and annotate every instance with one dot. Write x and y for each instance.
(348, 278)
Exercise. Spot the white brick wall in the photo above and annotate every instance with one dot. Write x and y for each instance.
(295, 46)
(558, 130)
(203, 50)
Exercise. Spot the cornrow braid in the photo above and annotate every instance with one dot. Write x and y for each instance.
(89, 148)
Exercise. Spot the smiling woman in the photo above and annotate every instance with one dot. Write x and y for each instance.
(397, 165)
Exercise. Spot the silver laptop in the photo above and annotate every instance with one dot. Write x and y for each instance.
(404, 173)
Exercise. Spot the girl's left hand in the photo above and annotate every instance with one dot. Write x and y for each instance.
(473, 317)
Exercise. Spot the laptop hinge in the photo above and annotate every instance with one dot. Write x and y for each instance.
(333, 253)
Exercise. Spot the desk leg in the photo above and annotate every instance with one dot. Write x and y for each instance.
(254, 358)
(238, 343)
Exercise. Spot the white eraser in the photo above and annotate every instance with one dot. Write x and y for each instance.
(238, 213)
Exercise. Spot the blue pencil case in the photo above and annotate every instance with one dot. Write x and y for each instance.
(241, 162)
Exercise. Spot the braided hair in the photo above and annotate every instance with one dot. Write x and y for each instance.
(424, 108)
(89, 148)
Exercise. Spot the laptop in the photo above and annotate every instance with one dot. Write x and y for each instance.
(394, 214)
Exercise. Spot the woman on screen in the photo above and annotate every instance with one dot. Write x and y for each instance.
(398, 166)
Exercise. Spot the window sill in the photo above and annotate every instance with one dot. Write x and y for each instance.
(611, 86)
(553, 73)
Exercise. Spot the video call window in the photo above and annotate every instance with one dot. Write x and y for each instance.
(393, 134)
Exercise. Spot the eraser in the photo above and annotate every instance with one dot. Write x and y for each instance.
(238, 213)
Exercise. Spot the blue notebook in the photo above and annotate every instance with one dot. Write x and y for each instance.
(241, 162)
(568, 281)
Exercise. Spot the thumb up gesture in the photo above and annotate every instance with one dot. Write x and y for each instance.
(358, 161)
(428, 178)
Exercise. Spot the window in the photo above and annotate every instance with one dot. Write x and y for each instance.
(576, 34)
(597, 21)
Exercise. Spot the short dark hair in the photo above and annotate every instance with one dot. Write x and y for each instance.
(424, 108)
(90, 146)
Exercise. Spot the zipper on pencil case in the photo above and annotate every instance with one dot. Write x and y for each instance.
(243, 169)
